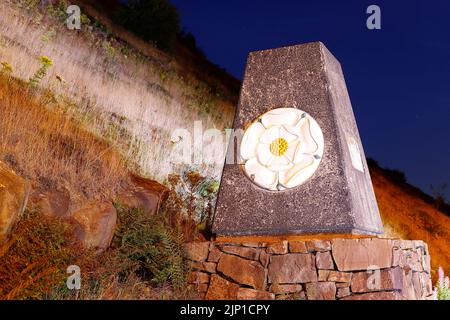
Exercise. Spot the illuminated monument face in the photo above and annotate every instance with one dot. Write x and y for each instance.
(301, 165)
(282, 149)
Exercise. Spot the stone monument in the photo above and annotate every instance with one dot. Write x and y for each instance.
(301, 167)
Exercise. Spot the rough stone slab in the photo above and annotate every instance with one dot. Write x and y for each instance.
(321, 291)
(343, 292)
(285, 288)
(278, 247)
(318, 245)
(377, 280)
(251, 294)
(244, 252)
(362, 254)
(221, 289)
(243, 271)
(264, 258)
(339, 276)
(197, 251)
(297, 247)
(307, 77)
(292, 268)
(323, 275)
(324, 260)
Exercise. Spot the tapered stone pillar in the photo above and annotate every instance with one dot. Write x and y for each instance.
(302, 168)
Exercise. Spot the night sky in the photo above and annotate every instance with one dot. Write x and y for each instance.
(398, 77)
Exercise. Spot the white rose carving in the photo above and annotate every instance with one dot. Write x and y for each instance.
(282, 149)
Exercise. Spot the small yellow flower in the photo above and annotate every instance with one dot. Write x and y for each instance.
(46, 60)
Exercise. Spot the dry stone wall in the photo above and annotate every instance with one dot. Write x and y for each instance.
(347, 269)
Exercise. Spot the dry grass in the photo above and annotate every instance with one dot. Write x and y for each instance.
(46, 146)
(408, 217)
(113, 83)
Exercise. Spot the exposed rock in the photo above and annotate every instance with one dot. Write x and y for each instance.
(145, 194)
(251, 294)
(209, 267)
(198, 277)
(244, 252)
(377, 280)
(278, 247)
(321, 291)
(97, 223)
(285, 288)
(197, 251)
(14, 191)
(243, 271)
(292, 268)
(297, 247)
(318, 245)
(383, 295)
(221, 289)
(214, 254)
(362, 254)
(324, 260)
(54, 203)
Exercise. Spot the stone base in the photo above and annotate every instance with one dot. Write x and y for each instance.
(340, 268)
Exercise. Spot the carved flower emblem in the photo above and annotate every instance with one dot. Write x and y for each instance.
(282, 149)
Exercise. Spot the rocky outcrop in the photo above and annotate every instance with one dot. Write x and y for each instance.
(96, 225)
(358, 269)
(145, 194)
(14, 191)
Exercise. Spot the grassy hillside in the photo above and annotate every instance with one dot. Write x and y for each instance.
(405, 215)
(115, 80)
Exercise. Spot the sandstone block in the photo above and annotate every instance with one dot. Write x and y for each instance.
(278, 247)
(285, 288)
(97, 224)
(339, 276)
(244, 252)
(324, 260)
(209, 267)
(362, 254)
(251, 294)
(318, 245)
(243, 271)
(197, 251)
(378, 280)
(343, 292)
(198, 277)
(292, 268)
(321, 291)
(214, 254)
(221, 289)
(297, 247)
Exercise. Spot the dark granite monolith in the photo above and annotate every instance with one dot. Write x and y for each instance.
(339, 197)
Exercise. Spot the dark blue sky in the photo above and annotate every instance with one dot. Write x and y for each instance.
(398, 77)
